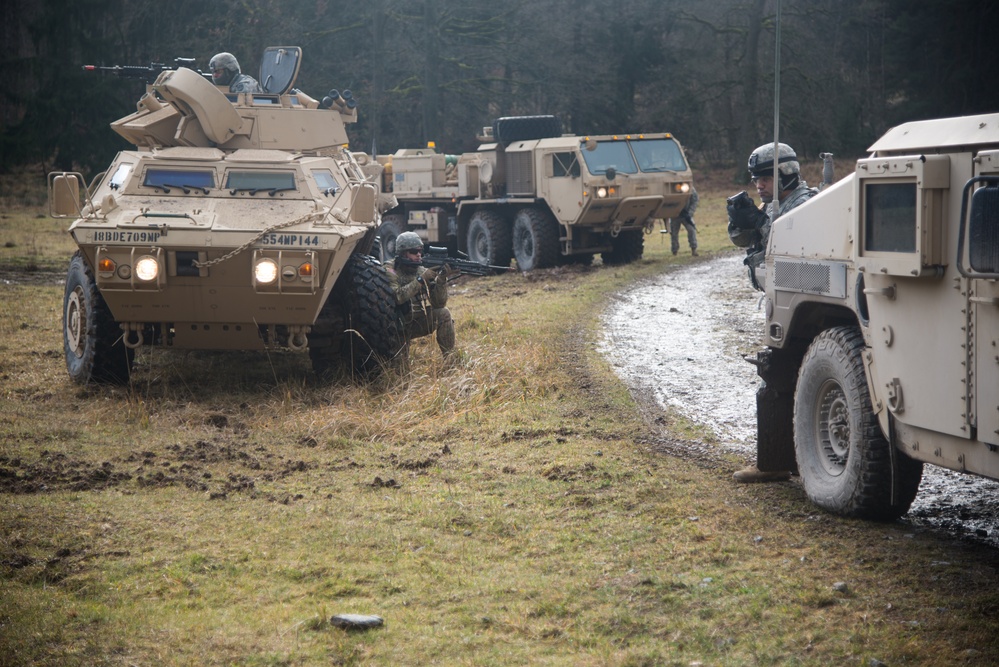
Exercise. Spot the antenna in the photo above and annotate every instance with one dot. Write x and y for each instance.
(776, 186)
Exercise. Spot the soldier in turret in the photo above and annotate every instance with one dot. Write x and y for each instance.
(226, 72)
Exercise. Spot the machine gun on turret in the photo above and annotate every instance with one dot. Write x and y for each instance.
(147, 73)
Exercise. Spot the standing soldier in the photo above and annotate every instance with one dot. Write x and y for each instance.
(421, 295)
(685, 218)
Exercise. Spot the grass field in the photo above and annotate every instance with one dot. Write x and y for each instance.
(516, 509)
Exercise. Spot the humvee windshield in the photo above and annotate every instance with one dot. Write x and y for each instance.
(609, 154)
(165, 179)
(658, 155)
(254, 181)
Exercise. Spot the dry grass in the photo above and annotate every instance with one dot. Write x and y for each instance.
(511, 510)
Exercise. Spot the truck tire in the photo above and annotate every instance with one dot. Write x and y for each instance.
(525, 128)
(535, 239)
(392, 225)
(627, 248)
(846, 464)
(92, 341)
(358, 327)
(489, 238)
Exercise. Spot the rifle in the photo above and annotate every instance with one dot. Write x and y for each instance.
(436, 257)
(148, 73)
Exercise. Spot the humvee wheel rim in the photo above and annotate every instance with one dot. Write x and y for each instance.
(833, 427)
(76, 321)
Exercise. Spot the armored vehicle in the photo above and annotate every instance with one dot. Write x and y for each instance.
(882, 322)
(532, 194)
(238, 222)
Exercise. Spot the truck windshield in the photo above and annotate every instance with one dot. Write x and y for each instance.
(609, 154)
(165, 179)
(257, 181)
(658, 155)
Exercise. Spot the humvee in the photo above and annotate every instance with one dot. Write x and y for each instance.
(882, 322)
(238, 222)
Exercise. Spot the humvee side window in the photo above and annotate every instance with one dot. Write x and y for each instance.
(609, 154)
(324, 179)
(983, 230)
(564, 164)
(256, 181)
(890, 215)
(166, 179)
(658, 155)
(119, 176)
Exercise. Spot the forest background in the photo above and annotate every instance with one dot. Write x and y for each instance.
(440, 70)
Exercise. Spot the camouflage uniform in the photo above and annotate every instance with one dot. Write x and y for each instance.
(423, 307)
(686, 218)
(231, 74)
(244, 83)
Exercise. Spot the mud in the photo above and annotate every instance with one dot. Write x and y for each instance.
(679, 342)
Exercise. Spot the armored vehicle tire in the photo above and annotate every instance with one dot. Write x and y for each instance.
(489, 239)
(628, 247)
(845, 463)
(92, 340)
(392, 225)
(358, 327)
(535, 239)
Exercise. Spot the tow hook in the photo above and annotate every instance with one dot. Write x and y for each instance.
(297, 338)
(132, 338)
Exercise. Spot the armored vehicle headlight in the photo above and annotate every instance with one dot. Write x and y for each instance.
(265, 271)
(147, 268)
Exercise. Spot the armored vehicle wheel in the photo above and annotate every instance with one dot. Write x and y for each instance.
(392, 225)
(358, 327)
(92, 340)
(535, 239)
(846, 464)
(627, 248)
(489, 239)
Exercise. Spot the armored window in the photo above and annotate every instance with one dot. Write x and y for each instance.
(253, 181)
(165, 179)
(890, 213)
(655, 155)
(326, 181)
(120, 175)
(565, 164)
(607, 155)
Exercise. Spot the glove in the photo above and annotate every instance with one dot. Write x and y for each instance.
(428, 276)
(447, 271)
(743, 214)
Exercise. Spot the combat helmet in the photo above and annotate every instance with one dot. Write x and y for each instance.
(408, 241)
(761, 163)
(227, 64)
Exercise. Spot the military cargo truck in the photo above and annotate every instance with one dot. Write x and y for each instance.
(238, 222)
(882, 322)
(532, 194)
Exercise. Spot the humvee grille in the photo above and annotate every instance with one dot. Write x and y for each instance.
(826, 278)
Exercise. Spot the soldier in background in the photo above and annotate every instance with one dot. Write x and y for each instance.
(749, 227)
(226, 72)
(421, 295)
(685, 218)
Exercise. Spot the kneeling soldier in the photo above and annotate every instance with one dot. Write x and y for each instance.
(421, 295)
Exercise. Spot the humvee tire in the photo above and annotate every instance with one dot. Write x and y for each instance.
(92, 341)
(359, 330)
(845, 463)
(489, 239)
(535, 239)
(392, 225)
(628, 247)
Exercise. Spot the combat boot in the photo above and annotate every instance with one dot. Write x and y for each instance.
(753, 474)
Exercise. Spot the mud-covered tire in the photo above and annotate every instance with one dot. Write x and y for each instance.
(392, 225)
(535, 239)
(92, 341)
(489, 239)
(358, 328)
(846, 465)
(627, 247)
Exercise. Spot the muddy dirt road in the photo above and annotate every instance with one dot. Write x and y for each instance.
(681, 338)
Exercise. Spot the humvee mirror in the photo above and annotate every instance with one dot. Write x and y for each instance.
(983, 230)
(279, 68)
(64, 195)
(590, 144)
(610, 173)
(363, 207)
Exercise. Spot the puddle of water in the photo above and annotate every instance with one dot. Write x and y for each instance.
(681, 338)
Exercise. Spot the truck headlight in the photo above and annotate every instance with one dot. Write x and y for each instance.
(147, 268)
(601, 192)
(682, 188)
(265, 271)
